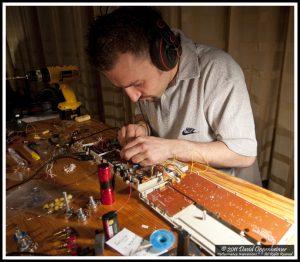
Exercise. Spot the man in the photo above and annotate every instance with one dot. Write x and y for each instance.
(192, 100)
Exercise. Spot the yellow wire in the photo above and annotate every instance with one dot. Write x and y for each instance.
(174, 157)
(206, 162)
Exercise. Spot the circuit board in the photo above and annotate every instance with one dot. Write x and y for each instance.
(255, 222)
(141, 178)
(168, 199)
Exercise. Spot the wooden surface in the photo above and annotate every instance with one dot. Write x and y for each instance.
(83, 182)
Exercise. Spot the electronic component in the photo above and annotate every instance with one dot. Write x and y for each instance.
(183, 243)
(92, 204)
(141, 178)
(81, 216)
(110, 224)
(106, 184)
(68, 211)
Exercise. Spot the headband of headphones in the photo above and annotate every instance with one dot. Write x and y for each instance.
(165, 48)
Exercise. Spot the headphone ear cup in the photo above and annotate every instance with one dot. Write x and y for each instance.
(163, 55)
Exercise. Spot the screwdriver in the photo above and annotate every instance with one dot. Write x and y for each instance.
(33, 154)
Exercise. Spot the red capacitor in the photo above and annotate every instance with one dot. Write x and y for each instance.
(106, 189)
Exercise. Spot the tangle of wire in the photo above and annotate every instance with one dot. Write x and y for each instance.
(42, 166)
(106, 129)
(173, 167)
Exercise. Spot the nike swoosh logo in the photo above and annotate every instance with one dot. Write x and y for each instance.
(188, 132)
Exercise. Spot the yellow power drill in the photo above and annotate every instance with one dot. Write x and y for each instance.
(60, 75)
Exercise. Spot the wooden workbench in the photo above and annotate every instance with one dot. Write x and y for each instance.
(83, 182)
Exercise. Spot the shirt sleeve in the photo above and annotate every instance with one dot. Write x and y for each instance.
(227, 106)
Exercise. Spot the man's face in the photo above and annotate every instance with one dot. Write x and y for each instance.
(140, 79)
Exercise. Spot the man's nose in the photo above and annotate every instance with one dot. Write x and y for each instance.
(133, 94)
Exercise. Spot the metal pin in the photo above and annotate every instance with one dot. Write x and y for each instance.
(204, 214)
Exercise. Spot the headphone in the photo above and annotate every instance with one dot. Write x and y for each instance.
(165, 48)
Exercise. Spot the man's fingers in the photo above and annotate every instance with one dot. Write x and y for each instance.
(129, 153)
(122, 136)
(134, 142)
(130, 133)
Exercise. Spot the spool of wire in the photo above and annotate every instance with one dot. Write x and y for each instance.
(162, 239)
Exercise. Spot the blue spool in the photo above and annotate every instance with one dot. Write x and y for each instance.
(162, 239)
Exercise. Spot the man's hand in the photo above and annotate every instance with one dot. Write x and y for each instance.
(127, 133)
(148, 150)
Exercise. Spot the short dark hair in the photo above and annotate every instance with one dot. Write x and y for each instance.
(126, 29)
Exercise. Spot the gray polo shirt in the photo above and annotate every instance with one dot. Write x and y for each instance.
(209, 101)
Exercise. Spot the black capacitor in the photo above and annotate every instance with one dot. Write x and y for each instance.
(140, 178)
(183, 243)
(110, 224)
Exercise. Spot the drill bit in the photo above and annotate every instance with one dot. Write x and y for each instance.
(16, 77)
